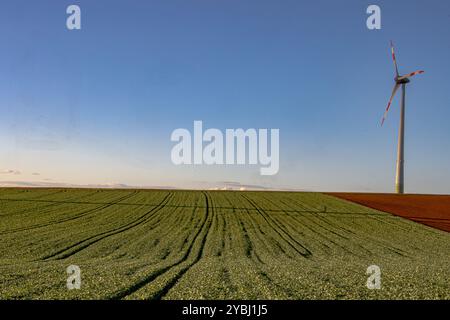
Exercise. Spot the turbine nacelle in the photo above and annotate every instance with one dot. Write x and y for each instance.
(400, 80)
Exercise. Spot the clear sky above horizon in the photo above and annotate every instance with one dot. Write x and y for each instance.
(98, 105)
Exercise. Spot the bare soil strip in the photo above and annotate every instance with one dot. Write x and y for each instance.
(430, 210)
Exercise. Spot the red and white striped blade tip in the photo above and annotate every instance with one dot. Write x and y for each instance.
(394, 58)
(411, 74)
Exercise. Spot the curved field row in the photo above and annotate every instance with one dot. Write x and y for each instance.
(47, 216)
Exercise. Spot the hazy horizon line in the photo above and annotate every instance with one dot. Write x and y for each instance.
(121, 186)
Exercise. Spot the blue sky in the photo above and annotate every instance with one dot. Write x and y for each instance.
(98, 105)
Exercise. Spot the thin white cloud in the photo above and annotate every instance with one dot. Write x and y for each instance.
(9, 171)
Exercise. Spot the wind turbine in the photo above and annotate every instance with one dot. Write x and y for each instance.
(399, 81)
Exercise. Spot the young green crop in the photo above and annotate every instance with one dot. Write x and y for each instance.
(165, 244)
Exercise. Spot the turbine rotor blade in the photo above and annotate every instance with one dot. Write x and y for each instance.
(409, 75)
(394, 59)
(397, 85)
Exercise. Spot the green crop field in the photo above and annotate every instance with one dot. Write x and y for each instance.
(161, 244)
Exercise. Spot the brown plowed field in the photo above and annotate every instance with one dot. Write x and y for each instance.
(431, 210)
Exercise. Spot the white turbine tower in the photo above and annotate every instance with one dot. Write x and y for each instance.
(399, 81)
